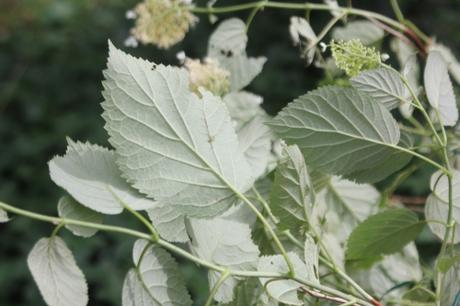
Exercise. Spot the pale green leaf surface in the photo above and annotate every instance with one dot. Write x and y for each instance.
(452, 62)
(242, 69)
(290, 197)
(284, 291)
(171, 145)
(228, 38)
(366, 31)
(68, 208)
(169, 222)
(311, 257)
(250, 293)
(255, 140)
(384, 233)
(226, 243)
(450, 285)
(3, 216)
(156, 280)
(339, 130)
(56, 274)
(439, 89)
(382, 84)
(90, 175)
(243, 106)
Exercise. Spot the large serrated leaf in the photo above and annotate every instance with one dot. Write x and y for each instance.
(382, 84)
(290, 197)
(284, 291)
(226, 243)
(339, 130)
(439, 89)
(156, 280)
(90, 175)
(57, 275)
(172, 145)
(71, 209)
(384, 233)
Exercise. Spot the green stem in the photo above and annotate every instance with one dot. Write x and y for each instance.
(172, 248)
(397, 11)
(216, 287)
(265, 205)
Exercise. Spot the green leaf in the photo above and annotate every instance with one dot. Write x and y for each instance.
(419, 296)
(384, 233)
(382, 84)
(284, 291)
(90, 175)
(250, 293)
(450, 285)
(227, 45)
(339, 130)
(68, 208)
(437, 207)
(169, 222)
(56, 274)
(243, 106)
(447, 262)
(171, 145)
(311, 256)
(255, 139)
(303, 35)
(226, 243)
(449, 58)
(3, 216)
(439, 89)
(366, 31)
(156, 280)
(290, 198)
(394, 270)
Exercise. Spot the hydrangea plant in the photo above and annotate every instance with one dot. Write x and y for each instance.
(278, 210)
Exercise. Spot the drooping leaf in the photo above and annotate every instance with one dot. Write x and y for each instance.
(155, 281)
(450, 285)
(452, 62)
(437, 204)
(391, 272)
(311, 257)
(228, 38)
(384, 233)
(339, 130)
(90, 175)
(367, 32)
(255, 139)
(56, 274)
(227, 45)
(3, 216)
(290, 198)
(439, 89)
(284, 291)
(382, 84)
(226, 243)
(172, 145)
(68, 208)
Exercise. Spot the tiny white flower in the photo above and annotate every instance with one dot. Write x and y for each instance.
(131, 41)
(323, 46)
(385, 56)
(181, 56)
(130, 14)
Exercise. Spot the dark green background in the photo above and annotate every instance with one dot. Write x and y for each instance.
(52, 53)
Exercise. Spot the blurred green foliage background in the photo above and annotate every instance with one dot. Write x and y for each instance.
(52, 53)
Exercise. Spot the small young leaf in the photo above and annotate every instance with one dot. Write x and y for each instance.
(3, 216)
(339, 130)
(367, 32)
(56, 274)
(71, 209)
(384, 233)
(90, 175)
(382, 84)
(229, 37)
(439, 89)
(156, 280)
(225, 243)
(450, 286)
(284, 291)
(171, 145)
(303, 35)
(447, 262)
(291, 193)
